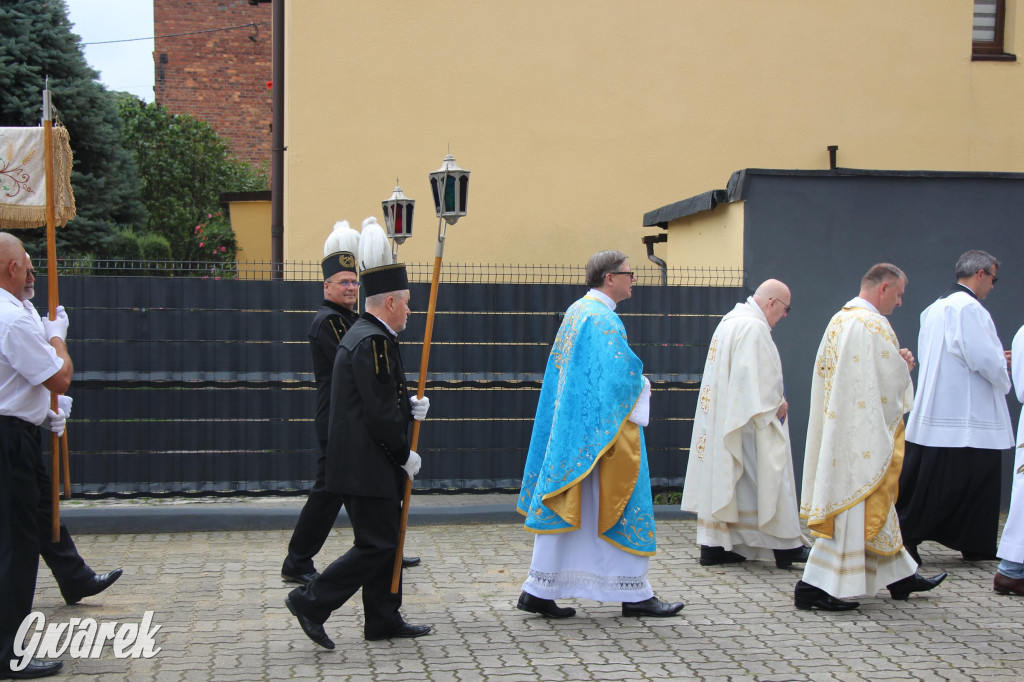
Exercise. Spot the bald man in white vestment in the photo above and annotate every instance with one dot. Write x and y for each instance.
(860, 391)
(739, 475)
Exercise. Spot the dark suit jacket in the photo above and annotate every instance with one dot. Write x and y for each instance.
(328, 326)
(368, 437)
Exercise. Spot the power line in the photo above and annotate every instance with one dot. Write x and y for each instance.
(251, 24)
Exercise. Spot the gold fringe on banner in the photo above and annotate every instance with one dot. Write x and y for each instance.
(23, 178)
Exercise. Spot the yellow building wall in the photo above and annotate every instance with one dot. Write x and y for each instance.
(712, 239)
(250, 221)
(577, 116)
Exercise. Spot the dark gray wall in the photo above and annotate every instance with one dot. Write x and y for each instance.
(820, 235)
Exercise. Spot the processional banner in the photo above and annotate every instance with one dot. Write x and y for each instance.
(23, 177)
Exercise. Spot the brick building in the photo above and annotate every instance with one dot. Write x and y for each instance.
(219, 75)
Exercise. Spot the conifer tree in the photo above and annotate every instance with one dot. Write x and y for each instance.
(36, 41)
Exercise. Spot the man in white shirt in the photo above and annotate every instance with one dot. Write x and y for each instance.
(33, 362)
(739, 475)
(950, 485)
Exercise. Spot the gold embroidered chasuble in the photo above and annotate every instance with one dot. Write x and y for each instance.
(860, 391)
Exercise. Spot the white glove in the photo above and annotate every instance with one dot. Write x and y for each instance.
(642, 412)
(57, 421)
(57, 327)
(419, 407)
(412, 465)
(64, 404)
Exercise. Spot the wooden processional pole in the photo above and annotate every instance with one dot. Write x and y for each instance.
(428, 332)
(53, 299)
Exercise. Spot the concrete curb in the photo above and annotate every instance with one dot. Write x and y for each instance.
(212, 517)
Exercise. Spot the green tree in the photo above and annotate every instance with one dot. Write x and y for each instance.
(185, 167)
(36, 41)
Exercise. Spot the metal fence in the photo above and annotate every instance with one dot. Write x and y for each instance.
(192, 385)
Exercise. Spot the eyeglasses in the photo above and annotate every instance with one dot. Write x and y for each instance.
(631, 274)
(994, 278)
(346, 283)
(787, 307)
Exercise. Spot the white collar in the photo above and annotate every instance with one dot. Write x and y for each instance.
(760, 313)
(602, 297)
(858, 302)
(14, 300)
(393, 332)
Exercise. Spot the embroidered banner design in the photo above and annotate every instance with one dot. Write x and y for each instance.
(23, 178)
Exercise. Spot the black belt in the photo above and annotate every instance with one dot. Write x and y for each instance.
(16, 421)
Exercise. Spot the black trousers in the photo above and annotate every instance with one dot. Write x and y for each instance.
(62, 557)
(951, 496)
(315, 522)
(19, 527)
(367, 565)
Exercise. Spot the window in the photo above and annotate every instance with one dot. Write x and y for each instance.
(989, 28)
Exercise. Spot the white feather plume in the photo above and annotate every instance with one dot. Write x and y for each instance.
(374, 247)
(342, 238)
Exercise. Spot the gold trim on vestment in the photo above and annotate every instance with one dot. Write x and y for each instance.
(619, 463)
(877, 507)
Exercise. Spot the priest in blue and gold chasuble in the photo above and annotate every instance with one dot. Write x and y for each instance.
(592, 383)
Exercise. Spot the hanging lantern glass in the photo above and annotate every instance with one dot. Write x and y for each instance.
(450, 187)
(398, 215)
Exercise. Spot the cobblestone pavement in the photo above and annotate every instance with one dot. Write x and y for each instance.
(219, 600)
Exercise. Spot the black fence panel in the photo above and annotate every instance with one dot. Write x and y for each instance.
(188, 386)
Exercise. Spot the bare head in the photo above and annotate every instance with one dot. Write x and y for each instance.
(14, 265)
(883, 286)
(774, 300)
(609, 272)
(976, 270)
(390, 307)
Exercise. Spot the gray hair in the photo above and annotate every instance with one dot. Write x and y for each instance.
(600, 264)
(377, 300)
(972, 261)
(881, 272)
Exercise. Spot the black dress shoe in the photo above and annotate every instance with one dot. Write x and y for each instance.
(410, 561)
(301, 578)
(91, 587)
(808, 597)
(912, 551)
(901, 589)
(651, 607)
(34, 669)
(713, 556)
(315, 631)
(545, 607)
(784, 558)
(406, 630)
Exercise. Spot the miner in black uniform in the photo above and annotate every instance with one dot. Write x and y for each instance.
(334, 318)
(368, 459)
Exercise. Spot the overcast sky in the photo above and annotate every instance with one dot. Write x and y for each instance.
(126, 66)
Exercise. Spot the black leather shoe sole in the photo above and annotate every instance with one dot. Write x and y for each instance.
(407, 631)
(544, 607)
(94, 587)
(787, 558)
(34, 670)
(654, 608)
(313, 630)
(830, 604)
(304, 579)
(902, 589)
